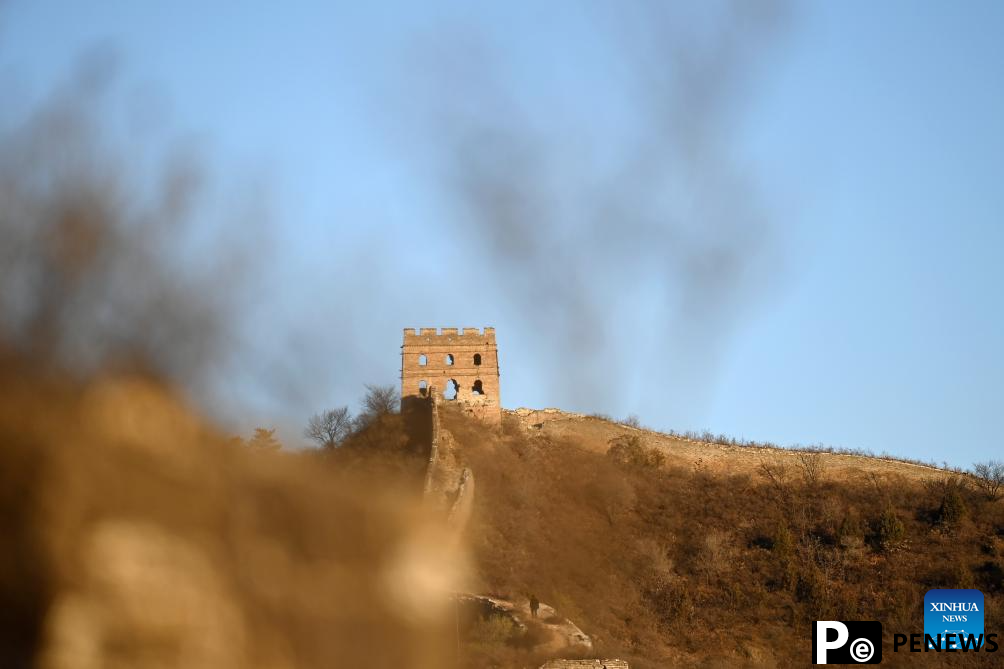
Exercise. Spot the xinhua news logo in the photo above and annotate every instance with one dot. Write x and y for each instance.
(847, 642)
(955, 615)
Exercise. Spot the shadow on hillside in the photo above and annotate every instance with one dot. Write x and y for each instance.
(416, 414)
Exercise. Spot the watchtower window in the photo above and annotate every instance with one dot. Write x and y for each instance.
(451, 390)
(449, 359)
(423, 359)
(477, 358)
(423, 388)
(477, 389)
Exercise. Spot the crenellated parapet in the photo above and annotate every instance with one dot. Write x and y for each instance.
(450, 336)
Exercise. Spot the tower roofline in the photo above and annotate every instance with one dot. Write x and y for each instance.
(438, 332)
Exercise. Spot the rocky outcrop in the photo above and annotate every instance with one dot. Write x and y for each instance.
(561, 635)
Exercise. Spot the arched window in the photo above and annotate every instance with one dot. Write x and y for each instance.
(450, 393)
(477, 358)
(477, 389)
(449, 359)
(423, 388)
(423, 360)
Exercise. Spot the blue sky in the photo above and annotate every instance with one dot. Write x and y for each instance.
(870, 134)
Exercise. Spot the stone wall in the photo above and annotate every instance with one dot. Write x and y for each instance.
(585, 664)
(449, 486)
(434, 440)
(463, 505)
(461, 363)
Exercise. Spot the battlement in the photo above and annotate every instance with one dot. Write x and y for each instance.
(448, 331)
(448, 335)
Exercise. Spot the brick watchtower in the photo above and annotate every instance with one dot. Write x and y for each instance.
(461, 364)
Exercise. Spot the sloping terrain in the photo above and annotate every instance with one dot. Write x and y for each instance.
(714, 556)
(594, 434)
(139, 536)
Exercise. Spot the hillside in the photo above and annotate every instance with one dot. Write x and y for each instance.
(140, 536)
(715, 555)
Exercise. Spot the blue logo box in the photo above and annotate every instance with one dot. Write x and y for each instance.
(958, 612)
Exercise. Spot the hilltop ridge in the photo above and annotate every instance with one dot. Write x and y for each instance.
(594, 432)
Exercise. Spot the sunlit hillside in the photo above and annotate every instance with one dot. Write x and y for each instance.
(717, 556)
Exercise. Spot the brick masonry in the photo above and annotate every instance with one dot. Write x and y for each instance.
(461, 363)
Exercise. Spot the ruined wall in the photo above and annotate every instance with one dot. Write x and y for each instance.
(585, 664)
(461, 363)
(430, 471)
(449, 485)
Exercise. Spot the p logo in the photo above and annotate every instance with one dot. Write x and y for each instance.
(847, 642)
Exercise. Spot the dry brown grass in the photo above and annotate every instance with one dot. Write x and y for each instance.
(717, 566)
(727, 455)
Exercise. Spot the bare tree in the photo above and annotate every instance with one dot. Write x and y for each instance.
(811, 464)
(329, 428)
(632, 420)
(776, 472)
(629, 450)
(380, 400)
(989, 477)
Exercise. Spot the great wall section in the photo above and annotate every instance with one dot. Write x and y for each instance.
(458, 365)
(449, 489)
(468, 360)
(449, 486)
